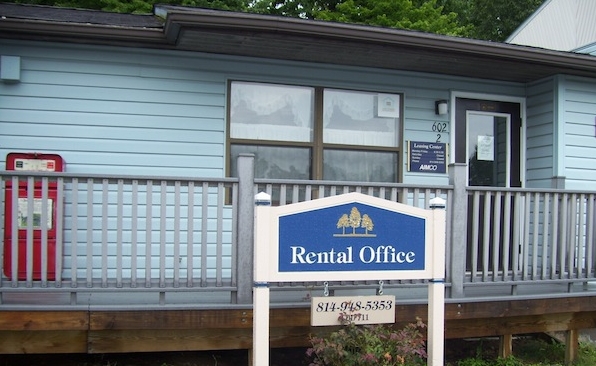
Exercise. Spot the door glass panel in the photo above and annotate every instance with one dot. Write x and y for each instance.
(487, 146)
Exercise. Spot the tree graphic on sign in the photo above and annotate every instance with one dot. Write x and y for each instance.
(355, 220)
(367, 223)
(343, 223)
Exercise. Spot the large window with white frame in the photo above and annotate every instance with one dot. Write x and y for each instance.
(303, 132)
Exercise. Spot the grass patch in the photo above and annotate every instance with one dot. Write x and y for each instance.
(527, 351)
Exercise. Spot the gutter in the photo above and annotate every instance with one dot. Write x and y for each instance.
(77, 32)
(237, 22)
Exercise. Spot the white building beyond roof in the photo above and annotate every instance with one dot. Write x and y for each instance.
(563, 25)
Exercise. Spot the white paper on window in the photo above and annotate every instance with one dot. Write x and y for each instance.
(486, 148)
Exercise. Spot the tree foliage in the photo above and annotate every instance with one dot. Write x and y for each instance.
(482, 19)
(403, 14)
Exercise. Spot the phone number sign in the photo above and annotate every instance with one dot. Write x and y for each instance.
(337, 310)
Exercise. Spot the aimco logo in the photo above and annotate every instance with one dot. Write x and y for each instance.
(355, 225)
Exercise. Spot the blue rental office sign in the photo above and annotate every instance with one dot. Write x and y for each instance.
(346, 237)
(351, 237)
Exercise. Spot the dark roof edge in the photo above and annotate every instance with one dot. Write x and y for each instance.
(177, 20)
(47, 29)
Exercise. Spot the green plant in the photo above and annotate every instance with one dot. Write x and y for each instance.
(370, 345)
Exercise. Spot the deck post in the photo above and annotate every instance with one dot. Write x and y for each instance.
(459, 228)
(245, 227)
(571, 346)
(505, 345)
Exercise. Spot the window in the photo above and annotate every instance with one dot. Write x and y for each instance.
(300, 132)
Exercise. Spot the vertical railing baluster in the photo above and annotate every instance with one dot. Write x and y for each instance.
(572, 236)
(90, 228)
(190, 234)
(234, 266)
(563, 241)
(526, 241)
(148, 233)
(486, 235)
(508, 216)
(581, 231)
(282, 194)
(219, 238)
(535, 231)
(74, 231)
(59, 225)
(29, 240)
(475, 242)
(517, 228)
(119, 229)
(177, 258)
(162, 232)
(104, 233)
(43, 226)
(496, 241)
(134, 238)
(204, 233)
(545, 226)
(295, 193)
(554, 235)
(589, 235)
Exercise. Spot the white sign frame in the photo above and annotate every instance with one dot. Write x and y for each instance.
(266, 267)
(267, 240)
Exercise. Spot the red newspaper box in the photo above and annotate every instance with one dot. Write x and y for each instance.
(20, 213)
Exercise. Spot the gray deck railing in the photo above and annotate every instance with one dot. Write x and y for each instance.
(519, 235)
(170, 238)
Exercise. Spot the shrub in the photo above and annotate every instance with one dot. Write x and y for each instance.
(370, 345)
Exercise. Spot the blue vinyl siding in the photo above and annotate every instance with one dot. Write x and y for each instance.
(578, 122)
(113, 112)
(109, 110)
(540, 144)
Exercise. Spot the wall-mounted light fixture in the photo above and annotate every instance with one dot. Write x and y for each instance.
(441, 107)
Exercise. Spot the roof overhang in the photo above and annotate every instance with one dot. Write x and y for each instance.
(253, 35)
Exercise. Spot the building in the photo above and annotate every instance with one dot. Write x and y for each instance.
(168, 125)
(559, 25)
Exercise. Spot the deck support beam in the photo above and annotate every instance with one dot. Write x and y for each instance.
(571, 346)
(505, 345)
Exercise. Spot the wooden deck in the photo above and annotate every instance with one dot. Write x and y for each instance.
(150, 330)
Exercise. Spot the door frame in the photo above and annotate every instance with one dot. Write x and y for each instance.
(494, 98)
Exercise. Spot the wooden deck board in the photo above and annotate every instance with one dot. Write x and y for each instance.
(144, 330)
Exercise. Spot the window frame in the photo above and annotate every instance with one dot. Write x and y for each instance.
(317, 146)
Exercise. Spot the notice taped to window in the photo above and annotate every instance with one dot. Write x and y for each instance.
(427, 157)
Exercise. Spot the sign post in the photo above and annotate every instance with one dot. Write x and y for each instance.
(349, 237)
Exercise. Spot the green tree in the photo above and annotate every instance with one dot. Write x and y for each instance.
(137, 6)
(492, 20)
(482, 19)
(306, 9)
(425, 16)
